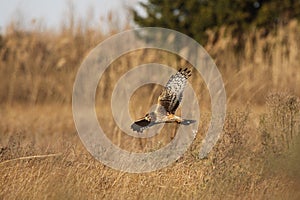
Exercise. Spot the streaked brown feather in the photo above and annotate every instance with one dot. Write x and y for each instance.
(172, 93)
(168, 102)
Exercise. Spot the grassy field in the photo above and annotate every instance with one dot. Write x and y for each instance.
(42, 157)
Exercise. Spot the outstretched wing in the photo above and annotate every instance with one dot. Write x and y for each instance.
(141, 125)
(171, 95)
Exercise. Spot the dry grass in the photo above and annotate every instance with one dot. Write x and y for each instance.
(41, 155)
(239, 166)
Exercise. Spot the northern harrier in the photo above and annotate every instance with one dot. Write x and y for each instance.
(168, 102)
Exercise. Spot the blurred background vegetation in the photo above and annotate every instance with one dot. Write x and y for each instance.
(256, 46)
(250, 41)
(196, 17)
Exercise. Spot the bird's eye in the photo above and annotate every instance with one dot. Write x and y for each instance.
(148, 118)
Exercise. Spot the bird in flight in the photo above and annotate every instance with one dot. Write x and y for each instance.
(168, 102)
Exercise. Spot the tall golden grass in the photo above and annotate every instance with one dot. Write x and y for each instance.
(257, 156)
(40, 67)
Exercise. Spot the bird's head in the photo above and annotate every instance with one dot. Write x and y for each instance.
(151, 117)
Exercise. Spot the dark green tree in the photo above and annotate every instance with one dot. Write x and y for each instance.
(180, 15)
(194, 17)
(274, 12)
